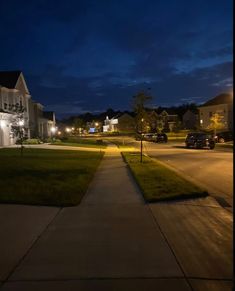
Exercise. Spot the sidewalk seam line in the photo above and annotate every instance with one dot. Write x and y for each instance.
(30, 248)
(167, 242)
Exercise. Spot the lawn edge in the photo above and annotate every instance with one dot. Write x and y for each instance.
(182, 197)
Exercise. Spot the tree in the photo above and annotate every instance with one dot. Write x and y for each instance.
(139, 102)
(216, 122)
(18, 129)
(78, 124)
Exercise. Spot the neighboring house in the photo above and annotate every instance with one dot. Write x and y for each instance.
(190, 120)
(14, 94)
(221, 104)
(110, 125)
(169, 118)
(47, 124)
(126, 123)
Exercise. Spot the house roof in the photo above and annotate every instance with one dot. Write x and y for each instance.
(9, 79)
(224, 98)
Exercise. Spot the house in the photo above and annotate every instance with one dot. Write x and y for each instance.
(15, 97)
(221, 104)
(110, 125)
(168, 118)
(190, 120)
(126, 123)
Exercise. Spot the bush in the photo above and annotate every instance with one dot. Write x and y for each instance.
(31, 141)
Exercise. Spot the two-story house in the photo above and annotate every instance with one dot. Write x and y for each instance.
(15, 95)
(221, 104)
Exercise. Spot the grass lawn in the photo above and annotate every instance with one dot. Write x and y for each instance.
(81, 142)
(46, 177)
(157, 182)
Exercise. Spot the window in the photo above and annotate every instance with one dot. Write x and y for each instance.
(5, 106)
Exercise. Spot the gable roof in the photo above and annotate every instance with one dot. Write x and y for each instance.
(9, 79)
(224, 98)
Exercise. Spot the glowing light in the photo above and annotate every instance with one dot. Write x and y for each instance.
(53, 129)
(21, 122)
(2, 123)
(68, 129)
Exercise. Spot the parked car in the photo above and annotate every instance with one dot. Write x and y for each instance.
(160, 137)
(224, 136)
(148, 136)
(199, 140)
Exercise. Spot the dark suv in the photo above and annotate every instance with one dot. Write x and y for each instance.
(199, 140)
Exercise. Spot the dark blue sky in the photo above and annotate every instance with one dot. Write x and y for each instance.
(91, 55)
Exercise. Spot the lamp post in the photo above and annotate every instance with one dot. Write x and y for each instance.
(141, 140)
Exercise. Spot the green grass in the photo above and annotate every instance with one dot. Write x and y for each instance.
(157, 182)
(46, 177)
(81, 142)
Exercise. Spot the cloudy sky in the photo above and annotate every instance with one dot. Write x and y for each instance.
(90, 55)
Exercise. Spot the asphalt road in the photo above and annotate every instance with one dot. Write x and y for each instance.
(211, 169)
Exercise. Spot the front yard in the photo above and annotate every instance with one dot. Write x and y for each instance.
(46, 177)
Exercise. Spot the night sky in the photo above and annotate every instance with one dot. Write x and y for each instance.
(90, 55)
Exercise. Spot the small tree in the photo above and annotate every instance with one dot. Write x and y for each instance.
(139, 102)
(78, 123)
(18, 128)
(216, 122)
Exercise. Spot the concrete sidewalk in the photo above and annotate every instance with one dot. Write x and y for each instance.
(114, 241)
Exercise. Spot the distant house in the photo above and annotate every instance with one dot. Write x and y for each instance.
(14, 94)
(169, 119)
(221, 104)
(110, 125)
(126, 123)
(190, 120)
